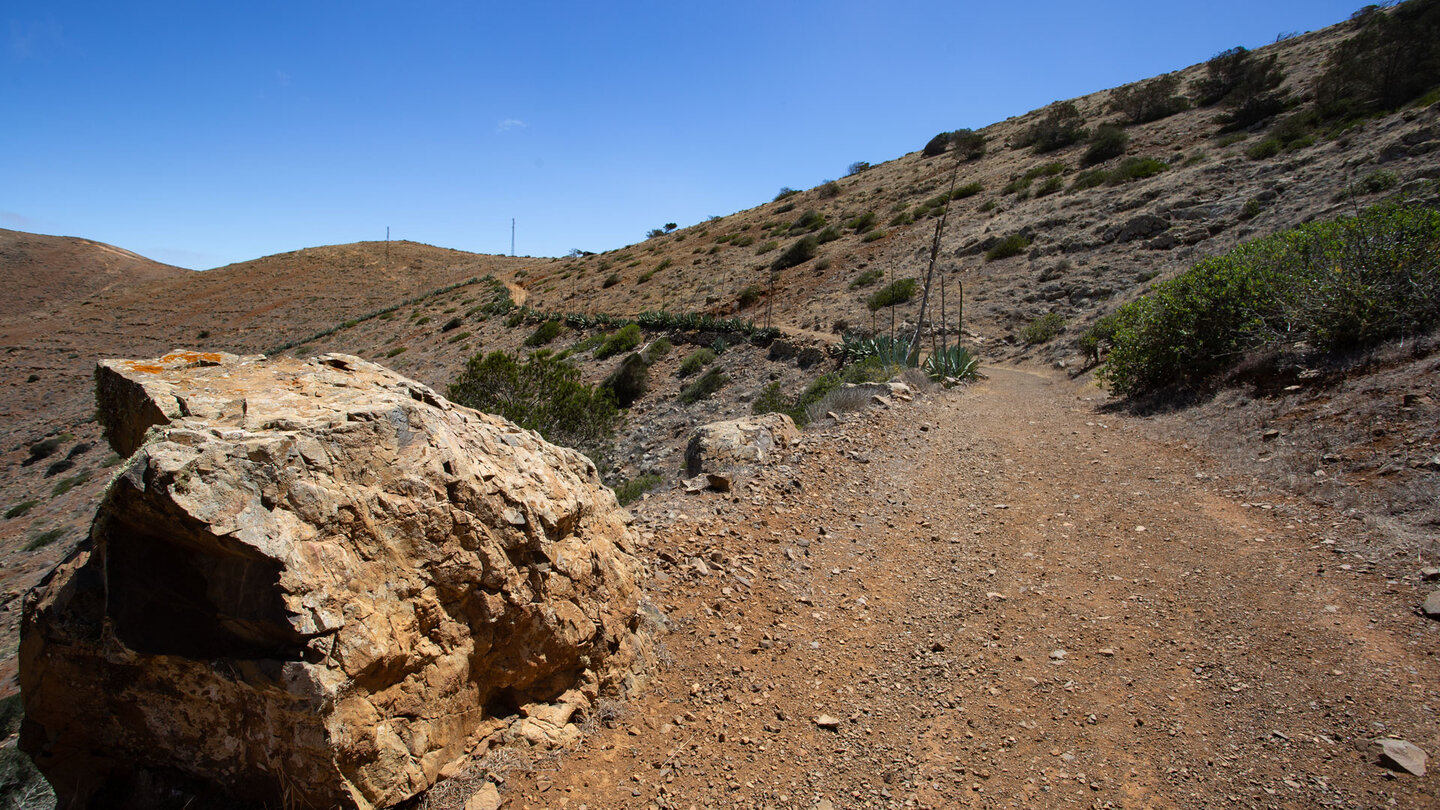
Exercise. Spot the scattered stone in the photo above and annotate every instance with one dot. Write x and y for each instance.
(1431, 607)
(1429, 574)
(486, 798)
(1401, 755)
(714, 482)
(827, 722)
(1108, 652)
(1270, 435)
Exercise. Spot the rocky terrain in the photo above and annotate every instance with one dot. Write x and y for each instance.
(968, 535)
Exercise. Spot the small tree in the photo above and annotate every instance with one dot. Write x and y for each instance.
(1060, 126)
(1151, 100)
(1247, 86)
(936, 145)
(969, 143)
(857, 167)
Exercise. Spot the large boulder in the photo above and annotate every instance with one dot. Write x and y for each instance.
(720, 446)
(318, 584)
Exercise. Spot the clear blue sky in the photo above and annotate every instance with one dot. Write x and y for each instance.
(202, 133)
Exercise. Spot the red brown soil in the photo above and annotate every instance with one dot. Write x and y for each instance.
(39, 271)
(1007, 599)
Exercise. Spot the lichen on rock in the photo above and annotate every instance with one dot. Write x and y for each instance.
(318, 584)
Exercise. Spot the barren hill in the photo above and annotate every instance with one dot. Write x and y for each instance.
(39, 271)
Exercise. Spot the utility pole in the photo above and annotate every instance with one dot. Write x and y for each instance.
(387, 245)
(512, 237)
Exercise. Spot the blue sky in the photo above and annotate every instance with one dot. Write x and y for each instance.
(203, 133)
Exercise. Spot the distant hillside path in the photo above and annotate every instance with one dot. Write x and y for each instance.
(1004, 598)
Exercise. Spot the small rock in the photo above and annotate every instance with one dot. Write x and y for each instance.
(826, 721)
(1107, 652)
(1401, 755)
(1429, 574)
(1431, 607)
(1058, 655)
(824, 804)
(1270, 435)
(486, 798)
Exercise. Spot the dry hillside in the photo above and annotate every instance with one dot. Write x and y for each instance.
(1357, 439)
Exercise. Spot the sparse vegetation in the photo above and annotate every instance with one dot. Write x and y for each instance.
(395, 352)
(866, 278)
(1106, 142)
(1326, 286)
(543, 394)
(706, 384)
(1043, 329)
(1012, 245)
(896, 292)
(44, 538)
(1061, 125)
(545, 332)
(629, 381)
(21, 509)
(749, 296)
(1392, 59)
(627, 492)
(1246, 85)
(1150, 100)
(627, 338)
(766, 247)
(67, 484)
(873, 236)
(658, 349)
(857, 167)
(802, 250)
(785, 191)
(696, 360)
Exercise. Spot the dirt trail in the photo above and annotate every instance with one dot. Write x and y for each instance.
(1004, 598)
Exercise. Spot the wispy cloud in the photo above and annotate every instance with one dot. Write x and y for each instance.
(509, 124)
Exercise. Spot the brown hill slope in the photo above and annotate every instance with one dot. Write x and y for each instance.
(410, 306)
(39, 272)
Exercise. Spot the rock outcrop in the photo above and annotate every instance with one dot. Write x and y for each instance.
(318, 584)
(719, 446)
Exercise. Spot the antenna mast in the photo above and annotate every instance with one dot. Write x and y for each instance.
(512, 237)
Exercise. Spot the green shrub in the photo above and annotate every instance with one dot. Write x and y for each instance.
(953, 362)
(627, 338)
(543, 394)
(857, 167)
(1248, 86)
(828, 189)
(1332, 285)
(695, 361)
(1090, 179)
(830, 234)
(967, 190)
(452, 324)
(629, 381)
(1378, 181)
(43, 449)
(1250, 209)
(44, 539)
(811, 220)
(70, 483)
(862, 223)
(969, 143)
(1050, 186)
(744, 240)
(545, 332)
(1393, 58)
(866, 278)
(901, 219)
(706, 384)
(936, 145)
(395, 352)
(766, 247)
(1043, 329)
(1135, 168)
(1106, 142)
(873, 236)
(1060, 126)
(785, 191)
(896, 292)
(1012, 245)
(1268, 148)
(1150, 100)
(799, 252)
(610, 281)
(660, 348)
(20, 509)
(459, 336)
(627, 492)
(1098, 337)
(748, 296)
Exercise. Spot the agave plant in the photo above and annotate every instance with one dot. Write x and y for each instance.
(955, 362)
